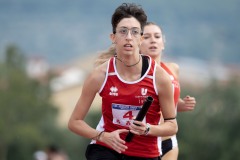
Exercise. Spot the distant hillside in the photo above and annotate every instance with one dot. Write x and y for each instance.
(63, 30)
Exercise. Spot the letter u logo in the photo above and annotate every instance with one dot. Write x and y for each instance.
(143, 91)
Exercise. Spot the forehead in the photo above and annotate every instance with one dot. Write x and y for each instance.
(152, 29)
(129, 23)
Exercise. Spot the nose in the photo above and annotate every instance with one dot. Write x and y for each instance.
(129, 35)
(153, 40)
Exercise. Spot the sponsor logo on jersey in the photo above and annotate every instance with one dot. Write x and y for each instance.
(113, 91)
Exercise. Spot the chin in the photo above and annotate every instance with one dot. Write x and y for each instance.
(128, 52)
(153, 54)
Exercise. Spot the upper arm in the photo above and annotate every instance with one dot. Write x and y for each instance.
(91, 86)
(165, 93)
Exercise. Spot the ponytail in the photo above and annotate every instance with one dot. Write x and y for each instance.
(105, 56)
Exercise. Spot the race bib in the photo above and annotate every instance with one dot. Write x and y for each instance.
(124, 114)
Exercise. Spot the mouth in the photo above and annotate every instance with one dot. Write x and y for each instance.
(152, 48)
(128, 45)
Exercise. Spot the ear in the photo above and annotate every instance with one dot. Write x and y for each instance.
(163, 46)
(164, 41)
(112, 37)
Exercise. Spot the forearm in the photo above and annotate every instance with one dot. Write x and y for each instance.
(168, 128)
(81, 128)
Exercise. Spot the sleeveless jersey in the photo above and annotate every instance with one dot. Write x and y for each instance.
(122, 100)
(175, 83)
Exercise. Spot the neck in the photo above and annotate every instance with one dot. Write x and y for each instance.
(158, 59)
(129, 65)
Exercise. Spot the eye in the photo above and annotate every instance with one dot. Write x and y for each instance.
(135, 32)
(123, 31)
(158, 36)
(145, 37)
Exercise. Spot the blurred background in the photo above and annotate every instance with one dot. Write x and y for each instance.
(48, 47)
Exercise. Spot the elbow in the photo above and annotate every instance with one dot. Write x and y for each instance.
(70, 125)
(172, 128)
(176, 129)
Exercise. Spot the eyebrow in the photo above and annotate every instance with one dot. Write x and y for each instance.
(129, 28)
(151, 33)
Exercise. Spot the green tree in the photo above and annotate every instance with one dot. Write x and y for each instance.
(28, 119)
(25, 110)
(212, 130)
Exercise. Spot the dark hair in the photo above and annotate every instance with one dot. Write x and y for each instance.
(128, 10)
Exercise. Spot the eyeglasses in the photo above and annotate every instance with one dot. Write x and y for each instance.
(123, 31)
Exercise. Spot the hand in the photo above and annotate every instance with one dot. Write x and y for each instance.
(138, 128)
(189, 103)
(113, 140)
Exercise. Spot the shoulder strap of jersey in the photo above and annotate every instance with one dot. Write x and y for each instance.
(151, 66)
(111, 65)
(145, 65)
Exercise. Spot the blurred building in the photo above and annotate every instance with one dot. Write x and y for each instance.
(67, 87)
(200, 73)
(37, 68)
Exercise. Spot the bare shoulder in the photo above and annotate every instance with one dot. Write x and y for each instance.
(174, 67)
(97, 76)
(162, 81)
(162, 76)
(101, 69)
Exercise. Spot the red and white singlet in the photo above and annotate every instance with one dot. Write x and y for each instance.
(122, 100)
